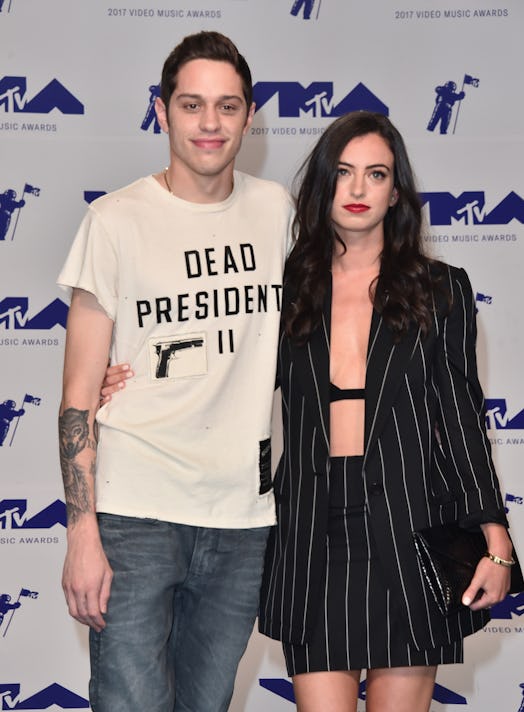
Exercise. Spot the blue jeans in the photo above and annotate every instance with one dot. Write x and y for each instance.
(182, 607)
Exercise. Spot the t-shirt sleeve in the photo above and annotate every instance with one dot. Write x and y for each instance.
(92, 263)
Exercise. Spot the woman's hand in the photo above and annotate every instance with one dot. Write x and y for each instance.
(491, 581)
(114, 380)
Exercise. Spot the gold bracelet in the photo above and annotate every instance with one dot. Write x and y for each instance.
(498, 560)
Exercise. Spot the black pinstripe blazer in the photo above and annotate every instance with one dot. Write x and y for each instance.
(426, 460)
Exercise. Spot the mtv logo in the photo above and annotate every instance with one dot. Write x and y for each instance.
(469, 208)
(13, 515)
(50, 696)
(512, 605)
(315, 100)
(90, 195)
(497, 417)
(13, 98)
(13, 314)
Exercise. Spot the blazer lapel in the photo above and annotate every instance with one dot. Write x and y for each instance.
(387, 362)
(318, 349)
(311, 363)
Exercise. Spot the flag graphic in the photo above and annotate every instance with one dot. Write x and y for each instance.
(468, 79)
(32, 399)
(32, 190)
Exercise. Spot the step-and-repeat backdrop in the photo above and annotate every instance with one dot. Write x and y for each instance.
(77, 86)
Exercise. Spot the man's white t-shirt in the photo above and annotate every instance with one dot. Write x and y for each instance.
(194, 291)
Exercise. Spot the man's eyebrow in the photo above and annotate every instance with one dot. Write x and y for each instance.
(224, 97)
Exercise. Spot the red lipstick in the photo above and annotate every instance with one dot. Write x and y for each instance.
(356, 207)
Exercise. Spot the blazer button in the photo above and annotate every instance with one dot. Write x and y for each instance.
(375, 488)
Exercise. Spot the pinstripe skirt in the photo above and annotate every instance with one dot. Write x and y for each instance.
(357, 625)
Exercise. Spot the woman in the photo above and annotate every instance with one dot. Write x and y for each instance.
(383, 436)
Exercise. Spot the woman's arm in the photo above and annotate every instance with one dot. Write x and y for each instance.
(470, 472)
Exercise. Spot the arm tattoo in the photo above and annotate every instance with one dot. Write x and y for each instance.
(74, 438)
(77, 493)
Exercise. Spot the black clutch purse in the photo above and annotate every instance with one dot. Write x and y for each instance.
(448, 556)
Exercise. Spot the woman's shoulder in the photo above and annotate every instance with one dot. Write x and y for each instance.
(450, 274)
(453, 288)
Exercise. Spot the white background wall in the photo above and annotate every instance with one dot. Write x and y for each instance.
(107, 55)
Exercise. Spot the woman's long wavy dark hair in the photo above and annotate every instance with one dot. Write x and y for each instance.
(403, 293)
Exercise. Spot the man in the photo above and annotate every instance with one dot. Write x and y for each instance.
(168, 489)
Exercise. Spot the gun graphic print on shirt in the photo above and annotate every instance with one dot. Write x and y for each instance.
(168, 357)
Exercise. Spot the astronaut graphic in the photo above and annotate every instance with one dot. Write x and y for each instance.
(8, 412)
(447, 97)
(6, 605)
(8, 204)
(307, 6)
(521, 708)
(150, 117)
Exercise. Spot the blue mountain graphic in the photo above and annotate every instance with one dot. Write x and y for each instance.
(54, 96)
(55, 513)
(55, 694)
(53, 314)
(361, 99)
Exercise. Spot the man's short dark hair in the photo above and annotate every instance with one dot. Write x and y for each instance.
(204, 45)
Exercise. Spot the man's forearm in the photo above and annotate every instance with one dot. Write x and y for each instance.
(78, 443)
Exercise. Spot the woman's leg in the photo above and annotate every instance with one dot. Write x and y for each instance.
(335, 691)
(403, 689)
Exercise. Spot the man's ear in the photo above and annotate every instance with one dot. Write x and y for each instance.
(249, 118)
(161, 114)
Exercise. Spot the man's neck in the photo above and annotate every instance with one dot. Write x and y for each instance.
(194, 188)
